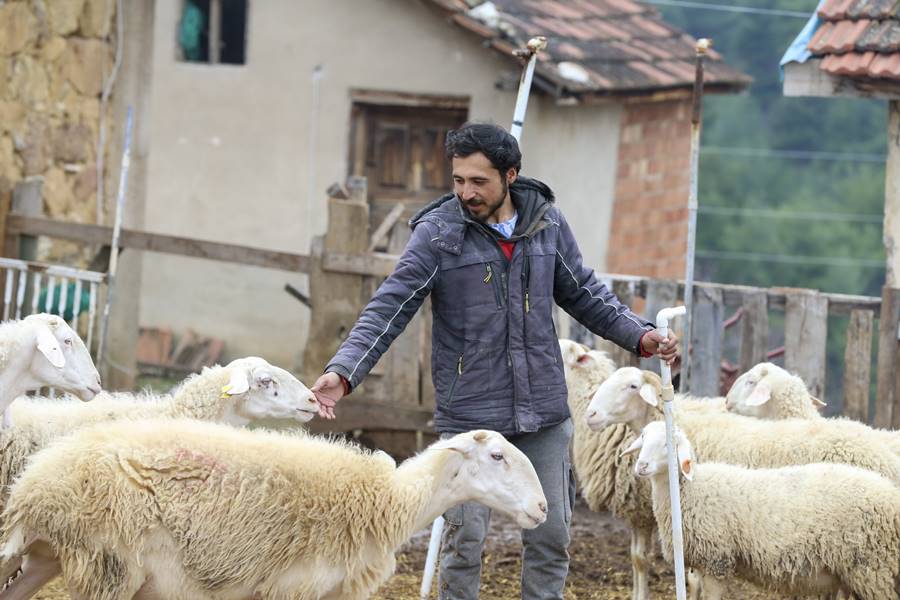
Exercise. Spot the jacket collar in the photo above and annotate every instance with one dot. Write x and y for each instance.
(531, 197)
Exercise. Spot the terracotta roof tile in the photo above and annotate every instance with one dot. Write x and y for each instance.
(886, 65)
(859, 38)
(624, 45)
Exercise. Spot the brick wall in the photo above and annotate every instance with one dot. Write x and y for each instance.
(648, 231)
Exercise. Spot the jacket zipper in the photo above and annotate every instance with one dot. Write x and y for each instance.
(459, 367)
(489, 278)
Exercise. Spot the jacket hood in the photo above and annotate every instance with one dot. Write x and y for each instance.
(532, 199)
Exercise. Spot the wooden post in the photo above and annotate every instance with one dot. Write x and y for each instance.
(660, 294)
(336, 297)
(805, 336)
(28, 201)
(754, 329)
(706, 341)
(892, 198)
(624, 291)
(858, 365)
(887, 398)
(5, 205)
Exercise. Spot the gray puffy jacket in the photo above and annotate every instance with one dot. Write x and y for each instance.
(496, 360)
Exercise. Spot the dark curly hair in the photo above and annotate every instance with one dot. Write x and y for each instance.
(493, 141)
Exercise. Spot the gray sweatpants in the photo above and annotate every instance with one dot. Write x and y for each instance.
(545, 555)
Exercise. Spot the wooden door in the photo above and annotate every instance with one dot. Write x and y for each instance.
(400, 150)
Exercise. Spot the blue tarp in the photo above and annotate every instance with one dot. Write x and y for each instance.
(797, 51)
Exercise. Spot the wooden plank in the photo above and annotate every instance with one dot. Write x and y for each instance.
(858, 365)
(375, 263)
(886, 395)
(706, 341)
(381, 232)
(805, 337)
(624, 291)
(155, 242)
(754, 329)
(360, 413)
(660, 294)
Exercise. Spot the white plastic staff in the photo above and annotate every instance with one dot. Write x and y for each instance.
(530, 52)
(668, 395)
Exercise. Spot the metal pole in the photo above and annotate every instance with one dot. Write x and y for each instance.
(530, 52)
(696, 119)
(668, 395)
(117, 229)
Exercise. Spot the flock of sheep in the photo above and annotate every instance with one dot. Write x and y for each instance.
(168, 496)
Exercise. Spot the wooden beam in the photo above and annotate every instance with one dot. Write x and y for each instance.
(858, 365)
(754, 329)
(887, 398)
(156, 242)
(353, 413)
(706, 342)
(805, 337)
(385, 226)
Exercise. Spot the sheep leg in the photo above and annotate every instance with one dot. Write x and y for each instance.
(37, 571)
(713, 589)
(693, 585)
(640, 543)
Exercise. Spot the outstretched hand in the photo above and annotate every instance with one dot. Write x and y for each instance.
(328, 390)
(666, 347)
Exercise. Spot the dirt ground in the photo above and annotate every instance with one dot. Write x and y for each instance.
(600, 567)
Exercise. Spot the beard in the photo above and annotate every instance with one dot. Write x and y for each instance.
(486, 208)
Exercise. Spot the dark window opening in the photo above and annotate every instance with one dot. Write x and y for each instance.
(213, 31)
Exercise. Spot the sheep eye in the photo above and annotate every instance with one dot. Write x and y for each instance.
(632, 386)
(68, 341)
(265, 381)
(497, 455)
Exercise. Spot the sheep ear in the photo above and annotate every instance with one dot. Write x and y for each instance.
(761, 394)
(634, 447)
(683, 452)
(238, 384)
(454, 444)
(648, 393)
(583, 358)
(49, 346)
(817, 402)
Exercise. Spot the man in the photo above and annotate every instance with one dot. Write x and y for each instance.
(495, 256)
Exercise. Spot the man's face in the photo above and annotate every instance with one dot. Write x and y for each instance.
(479, 185)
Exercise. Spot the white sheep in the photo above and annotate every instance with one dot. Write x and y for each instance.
(189, 509)
(246, 390)
(42, 350)
(606, 478)
(632, 396)
(769, 392)
(808, 529)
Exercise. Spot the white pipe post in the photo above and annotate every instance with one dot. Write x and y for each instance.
(696, 118)
(668, 395)
(535, 45)
(117, 230)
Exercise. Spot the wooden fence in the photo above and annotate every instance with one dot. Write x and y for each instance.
(344, 271)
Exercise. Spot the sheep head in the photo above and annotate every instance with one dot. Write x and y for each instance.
(59, 357)
(261, 390)
(490, 470)
(653, 458)
(627, 396)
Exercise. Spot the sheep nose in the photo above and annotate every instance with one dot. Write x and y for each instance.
(543, 507)
(312, 400)
(591, 415)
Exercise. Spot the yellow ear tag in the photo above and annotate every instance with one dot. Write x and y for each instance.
(225, 390)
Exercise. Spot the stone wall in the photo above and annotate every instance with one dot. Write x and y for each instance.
(54, 55)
